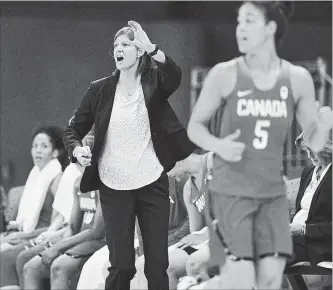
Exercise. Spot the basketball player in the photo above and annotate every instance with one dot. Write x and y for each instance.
(260, 93)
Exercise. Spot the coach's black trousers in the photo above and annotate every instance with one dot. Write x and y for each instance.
(151, 205)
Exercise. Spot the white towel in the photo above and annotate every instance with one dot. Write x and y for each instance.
(64, 198)
(34, 193)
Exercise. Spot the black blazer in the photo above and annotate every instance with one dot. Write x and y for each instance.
(169, 137)
(319, 222)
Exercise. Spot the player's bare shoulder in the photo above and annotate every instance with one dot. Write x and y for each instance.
(225, 75)
(301, 81)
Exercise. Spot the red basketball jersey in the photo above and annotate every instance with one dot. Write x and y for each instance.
(264, 118)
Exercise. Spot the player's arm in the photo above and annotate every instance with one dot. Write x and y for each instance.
(217, 85)
(315, 131)
(195, 218)
(96, 232)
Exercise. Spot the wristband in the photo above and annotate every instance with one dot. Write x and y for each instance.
(154, 51)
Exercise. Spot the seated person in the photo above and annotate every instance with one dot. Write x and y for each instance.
(41, 186)
(311, 226)
(94, 271)
(191, 251)
(62, 208)
(62, 261)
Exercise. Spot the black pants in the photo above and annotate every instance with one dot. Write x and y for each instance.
(151, 205)
(300, 252)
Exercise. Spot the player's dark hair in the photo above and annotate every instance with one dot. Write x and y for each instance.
(278, 11)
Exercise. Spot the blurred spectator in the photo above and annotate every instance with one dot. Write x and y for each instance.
(311, 226)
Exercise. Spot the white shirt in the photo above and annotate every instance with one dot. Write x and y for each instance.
(303, 213)
(128, 159)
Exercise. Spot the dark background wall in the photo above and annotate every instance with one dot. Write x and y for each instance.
(50, 51)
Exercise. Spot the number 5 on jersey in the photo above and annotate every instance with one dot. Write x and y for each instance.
(260, 131)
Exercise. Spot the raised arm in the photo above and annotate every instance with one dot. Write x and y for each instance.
(169, 76)
(168, 73)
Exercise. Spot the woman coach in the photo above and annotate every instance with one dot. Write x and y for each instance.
(138, 138)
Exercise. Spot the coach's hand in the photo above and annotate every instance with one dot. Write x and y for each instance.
(230, 149)
(141, 40)
(83, 155)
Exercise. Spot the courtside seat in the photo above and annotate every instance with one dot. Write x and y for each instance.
(294, 273)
